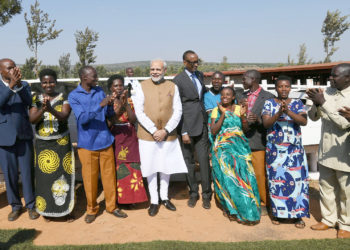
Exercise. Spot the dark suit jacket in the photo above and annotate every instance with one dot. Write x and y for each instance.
(14, 119)
(257, 132)
(194, 116)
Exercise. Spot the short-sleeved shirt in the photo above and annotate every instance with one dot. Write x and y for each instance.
(237, 111)
(211, 100)
(49, 127)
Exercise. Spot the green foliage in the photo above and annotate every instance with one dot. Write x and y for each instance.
(40, 29)
(27, 69)
(9, 8)
(334, 25)
(85, 45)
(224, 65)
(101, 71)
(65, 65)
(290, 61)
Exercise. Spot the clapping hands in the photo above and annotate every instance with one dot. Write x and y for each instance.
(316, 96)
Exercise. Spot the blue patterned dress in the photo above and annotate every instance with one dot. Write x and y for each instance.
(286, 163)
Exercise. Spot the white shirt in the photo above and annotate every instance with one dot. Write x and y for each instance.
(146, 122)
(199, 85)
(7, 85)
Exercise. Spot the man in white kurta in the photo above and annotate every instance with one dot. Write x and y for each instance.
(158, 109)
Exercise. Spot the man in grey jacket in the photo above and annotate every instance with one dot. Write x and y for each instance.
(194, 128)
(256, 97)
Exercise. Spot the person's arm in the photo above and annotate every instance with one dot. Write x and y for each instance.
(143, 119)
(5, 94)
(216, 126)
(314, 113)
(300, 116)
(243, 115)
(177, 112)
(267, 118)
(84, 113)
(345, 112)
(25, 94)
(327, 107)
(63, 115)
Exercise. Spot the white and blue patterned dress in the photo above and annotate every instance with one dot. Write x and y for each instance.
(286, 163)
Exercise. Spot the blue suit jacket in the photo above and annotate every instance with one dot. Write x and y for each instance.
(14, 119)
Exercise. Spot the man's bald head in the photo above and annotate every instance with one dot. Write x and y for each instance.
(343, 68)
(6, 60)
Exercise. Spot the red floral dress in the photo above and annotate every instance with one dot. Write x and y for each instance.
(130, 187)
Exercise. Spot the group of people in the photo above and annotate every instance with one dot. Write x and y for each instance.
(158, 127)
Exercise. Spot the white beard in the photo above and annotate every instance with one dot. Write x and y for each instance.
(157, 79)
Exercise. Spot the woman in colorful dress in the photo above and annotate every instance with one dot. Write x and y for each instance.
(286, 163)
(54, 158)
(233, 175)
(130, 186)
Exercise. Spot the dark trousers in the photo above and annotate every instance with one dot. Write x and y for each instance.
(200, 145)
(18, 156)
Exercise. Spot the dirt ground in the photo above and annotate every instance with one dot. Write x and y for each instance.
(185, 224)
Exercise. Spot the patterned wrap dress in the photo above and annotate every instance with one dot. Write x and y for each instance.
(130, 187)
(54, 162)
(233, 175)
(286, 163)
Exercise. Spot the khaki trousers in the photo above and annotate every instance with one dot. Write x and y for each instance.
(335, 185)
(259, 165)
(92, 162)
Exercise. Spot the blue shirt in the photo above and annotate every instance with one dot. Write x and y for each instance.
(93, 133)
(211, 100)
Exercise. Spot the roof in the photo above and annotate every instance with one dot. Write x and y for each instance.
(292, 68)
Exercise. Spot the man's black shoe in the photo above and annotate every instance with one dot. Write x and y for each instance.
(89, 218)
(153, 209)
(119, 213)
(169, 205)
(206, 203)
(14, 215)
(33, 215)
(192, 201)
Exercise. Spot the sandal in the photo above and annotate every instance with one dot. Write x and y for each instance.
(275, 221)
(299, 223)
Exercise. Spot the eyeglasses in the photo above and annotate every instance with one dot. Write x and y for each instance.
(193, 63)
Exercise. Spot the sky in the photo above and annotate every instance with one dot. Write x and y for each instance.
(138, 30)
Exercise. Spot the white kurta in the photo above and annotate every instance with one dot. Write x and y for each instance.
(166, 156)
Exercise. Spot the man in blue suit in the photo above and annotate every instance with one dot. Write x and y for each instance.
(16, 146)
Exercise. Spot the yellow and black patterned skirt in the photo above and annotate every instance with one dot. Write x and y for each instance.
(54, 177)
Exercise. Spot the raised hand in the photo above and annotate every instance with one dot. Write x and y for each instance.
(221, 108)
(345, 112)
(316, 96)
(15, 76)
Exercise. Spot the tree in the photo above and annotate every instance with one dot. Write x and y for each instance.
(65, 65)
(290, 61)
(27, 69)
(101, 71)
(86, 43)
(302, 57)
(333, 27)
(40, 29)
(9, 8)
(223, 65)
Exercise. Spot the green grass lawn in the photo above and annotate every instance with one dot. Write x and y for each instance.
(23, 239)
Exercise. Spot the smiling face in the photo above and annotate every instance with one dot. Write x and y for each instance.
(247, 81)
(90, 77)
(216, 81)
(283, 88)
(339, 79)
(227, 97)
(157, 70)
(48, 83)
(117, 87)
(191, 62)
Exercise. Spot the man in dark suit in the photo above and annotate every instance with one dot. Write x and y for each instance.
(193, 128)
(256, 97)
(16, 146)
